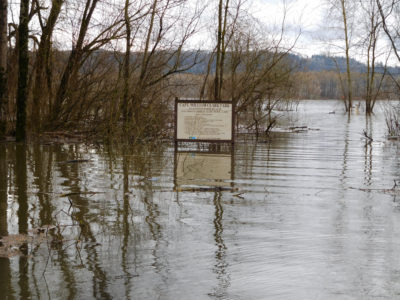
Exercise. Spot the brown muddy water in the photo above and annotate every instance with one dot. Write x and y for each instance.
(307, 215)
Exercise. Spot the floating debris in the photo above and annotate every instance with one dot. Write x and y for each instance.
(294, 129)
(368, 138)
(298, 129)
(393, 137)
(205, 189)
(394, 191)
(19, 244)
(239, 195)
(79, 193)
(74, 161)
(13, 245)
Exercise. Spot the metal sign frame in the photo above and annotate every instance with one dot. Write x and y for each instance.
(232, 140)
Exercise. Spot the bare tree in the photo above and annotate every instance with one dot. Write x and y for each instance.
(228, 16)
(219, 48)
(81, 50)
(128, 36)
(347, 49)
(251, 65)
(161, 57)
(259, 72)
(343, 11)
(389, 12)
(43, 64)
(370, 37)
(133, 21)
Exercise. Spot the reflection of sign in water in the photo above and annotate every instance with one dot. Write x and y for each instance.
(203, 169)
(204, 120)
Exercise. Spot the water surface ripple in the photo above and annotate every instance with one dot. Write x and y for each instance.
(307, 215)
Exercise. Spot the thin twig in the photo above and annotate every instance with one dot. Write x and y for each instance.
(370, 139)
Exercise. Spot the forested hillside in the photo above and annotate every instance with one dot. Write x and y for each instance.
(316, 77)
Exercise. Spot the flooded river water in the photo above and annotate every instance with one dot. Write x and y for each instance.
(307, 215)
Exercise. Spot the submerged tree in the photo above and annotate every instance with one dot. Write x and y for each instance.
(221, 47)
(161, 40)
(259, 74)
(42, 72)
(83, 47)
(389, 11)
(370, 35)
(343, 12)
(93, 89)
(228, 16)
(127, 61)
(347, 49)
(251, 65)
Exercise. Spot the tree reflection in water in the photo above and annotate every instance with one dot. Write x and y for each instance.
(5, 270)
(221, 265)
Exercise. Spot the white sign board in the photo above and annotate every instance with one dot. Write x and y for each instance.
(203, 169)
(204, 121)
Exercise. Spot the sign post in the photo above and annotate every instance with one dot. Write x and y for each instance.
(208, 122)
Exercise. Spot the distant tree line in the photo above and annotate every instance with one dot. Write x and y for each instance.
(317, 77)
(326, 85)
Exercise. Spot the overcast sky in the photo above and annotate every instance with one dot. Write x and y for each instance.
(305, 16)
(301, 15)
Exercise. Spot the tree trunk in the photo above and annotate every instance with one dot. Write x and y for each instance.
(370, 82)
(205, 81)
(217, 95)
(3, 67)
(126, 66)
(347, 49)
(144, 69)
(223, 51)
(73, 64)
(42, 61)
(23, 61)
